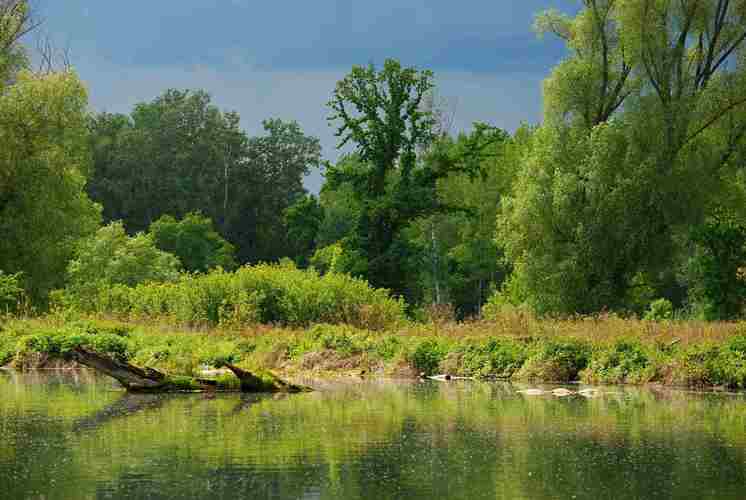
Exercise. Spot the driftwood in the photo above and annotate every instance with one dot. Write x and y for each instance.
(137, 379)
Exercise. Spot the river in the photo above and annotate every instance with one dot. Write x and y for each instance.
(72, 435)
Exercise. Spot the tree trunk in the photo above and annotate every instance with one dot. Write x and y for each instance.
(137, 379)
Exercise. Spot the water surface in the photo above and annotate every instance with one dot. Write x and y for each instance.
(71, 435)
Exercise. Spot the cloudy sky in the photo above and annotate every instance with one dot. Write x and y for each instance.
(282, 58)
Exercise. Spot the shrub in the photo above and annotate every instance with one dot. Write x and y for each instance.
(111, 257)
(11, 291)
(695, 365)
(625, 361)
(427, 356)
(498, 357)
(660, 310)
(730, 368)
(194, 241)
(557, 361)
(336, 338)
(268, 293)
(387, 347)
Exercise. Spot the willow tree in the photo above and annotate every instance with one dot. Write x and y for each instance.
(382, 113)
(44, 161)
(16, 21)
(644, 128)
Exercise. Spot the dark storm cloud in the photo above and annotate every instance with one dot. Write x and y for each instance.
(469, 35)
(282, 58)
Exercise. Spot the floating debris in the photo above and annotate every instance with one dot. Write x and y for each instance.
(443, 377)
(562, 392)
(532, 392)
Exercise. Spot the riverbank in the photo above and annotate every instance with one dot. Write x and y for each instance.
(602, 350)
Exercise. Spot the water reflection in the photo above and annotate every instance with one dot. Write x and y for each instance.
(72, 435)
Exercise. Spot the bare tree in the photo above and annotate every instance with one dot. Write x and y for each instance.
(50, 58)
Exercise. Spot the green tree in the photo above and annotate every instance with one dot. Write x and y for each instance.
(269, 181)
(303, 221)
(475, 261)
(181, 154)
(173, 156)
(382, 114)
(720, 266)
(614, 179)
(194, 241)
(16, 21)
(43, 162)
(112, 257)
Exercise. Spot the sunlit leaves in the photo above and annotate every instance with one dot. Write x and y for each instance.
(43, 207)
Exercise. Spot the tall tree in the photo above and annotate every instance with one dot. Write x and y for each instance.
(169, 157)
(16, 21)
(180, 154)
(603, 198)
(382, 114)
(303, 221)
(43, 162)
(271, 180)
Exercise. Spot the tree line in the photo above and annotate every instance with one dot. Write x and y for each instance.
(629, 196)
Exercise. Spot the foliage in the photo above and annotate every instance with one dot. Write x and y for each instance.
(180, 154)
(15, 22)
(11, 291)
(637, 144)
(328, 259)
(263, 293)
(625, 361)
(111, 257)
(382, 114)
(427, 356)
(194, 241)
(462, 262)
(557, 361)
(270, 182)
(496, 357)
(660, 309)
(303, 221)
(170, 156)
(720, 267)
(43, 162)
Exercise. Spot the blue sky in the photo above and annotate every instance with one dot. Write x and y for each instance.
(282, 58)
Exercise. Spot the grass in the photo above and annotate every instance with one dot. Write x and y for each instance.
(513, 346)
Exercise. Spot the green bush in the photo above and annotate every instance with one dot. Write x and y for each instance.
(497, 357)
(194, 241)
(557, 361)
(387, 348)
(427, 356)
(625, 361)
(267, 293)
(111, 257)
(696, 365)
(11, 291)
(335, 338)
(730, 369)
(660, 310)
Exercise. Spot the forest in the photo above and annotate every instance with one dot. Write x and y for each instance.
(628, 198)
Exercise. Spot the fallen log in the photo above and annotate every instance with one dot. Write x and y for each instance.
(136, 379)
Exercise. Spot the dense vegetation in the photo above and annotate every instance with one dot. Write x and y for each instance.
(605, 351)
(629, 197)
